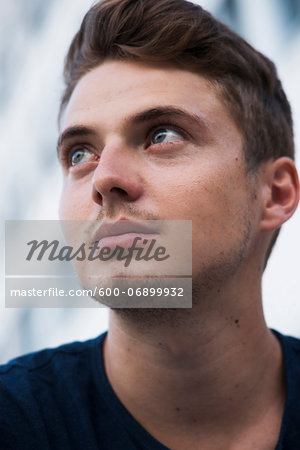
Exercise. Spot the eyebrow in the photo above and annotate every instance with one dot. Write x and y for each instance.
(74, 131)
(139, 118)
(154, 113)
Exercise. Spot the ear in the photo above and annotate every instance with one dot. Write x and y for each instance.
(280, 193)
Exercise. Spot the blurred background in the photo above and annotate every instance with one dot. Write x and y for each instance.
(34, 37)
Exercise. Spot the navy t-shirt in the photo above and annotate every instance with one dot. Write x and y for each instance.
(61, 399)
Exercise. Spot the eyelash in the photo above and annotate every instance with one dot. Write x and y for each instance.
(69, 149)
(170, 127)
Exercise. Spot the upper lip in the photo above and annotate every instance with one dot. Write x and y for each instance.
(122, 227)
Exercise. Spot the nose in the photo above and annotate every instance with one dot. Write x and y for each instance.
(116, 178)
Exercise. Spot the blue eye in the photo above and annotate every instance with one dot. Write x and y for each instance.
(163, 135)
(81, 155)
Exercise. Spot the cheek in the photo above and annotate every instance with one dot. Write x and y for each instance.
(215, 200)
(75, 202)
(195, 195)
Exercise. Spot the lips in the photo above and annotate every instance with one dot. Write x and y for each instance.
(121, 228)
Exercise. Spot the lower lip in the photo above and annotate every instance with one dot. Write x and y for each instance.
(126, 240)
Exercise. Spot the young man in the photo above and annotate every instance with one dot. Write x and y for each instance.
(169, 115)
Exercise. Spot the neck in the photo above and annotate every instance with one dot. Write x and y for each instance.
(208, 368)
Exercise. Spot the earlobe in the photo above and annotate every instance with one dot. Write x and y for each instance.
(280, 193)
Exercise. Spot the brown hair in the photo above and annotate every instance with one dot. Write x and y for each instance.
(182, 33)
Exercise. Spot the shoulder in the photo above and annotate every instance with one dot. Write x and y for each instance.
(291, 356)
(290, 427)
(27, 382)
(39, 392)
(51, 358)
(290, 347)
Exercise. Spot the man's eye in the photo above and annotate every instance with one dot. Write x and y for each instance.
(81, 155)
(163, 135)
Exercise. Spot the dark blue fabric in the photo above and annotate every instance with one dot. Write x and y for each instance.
(61, 399)
(289, 438)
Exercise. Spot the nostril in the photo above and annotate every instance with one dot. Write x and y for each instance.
(97, 197)
(118, 190)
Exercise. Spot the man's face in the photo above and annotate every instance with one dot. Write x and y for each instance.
(147, 142)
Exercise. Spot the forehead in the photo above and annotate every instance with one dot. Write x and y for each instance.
(116, 89)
